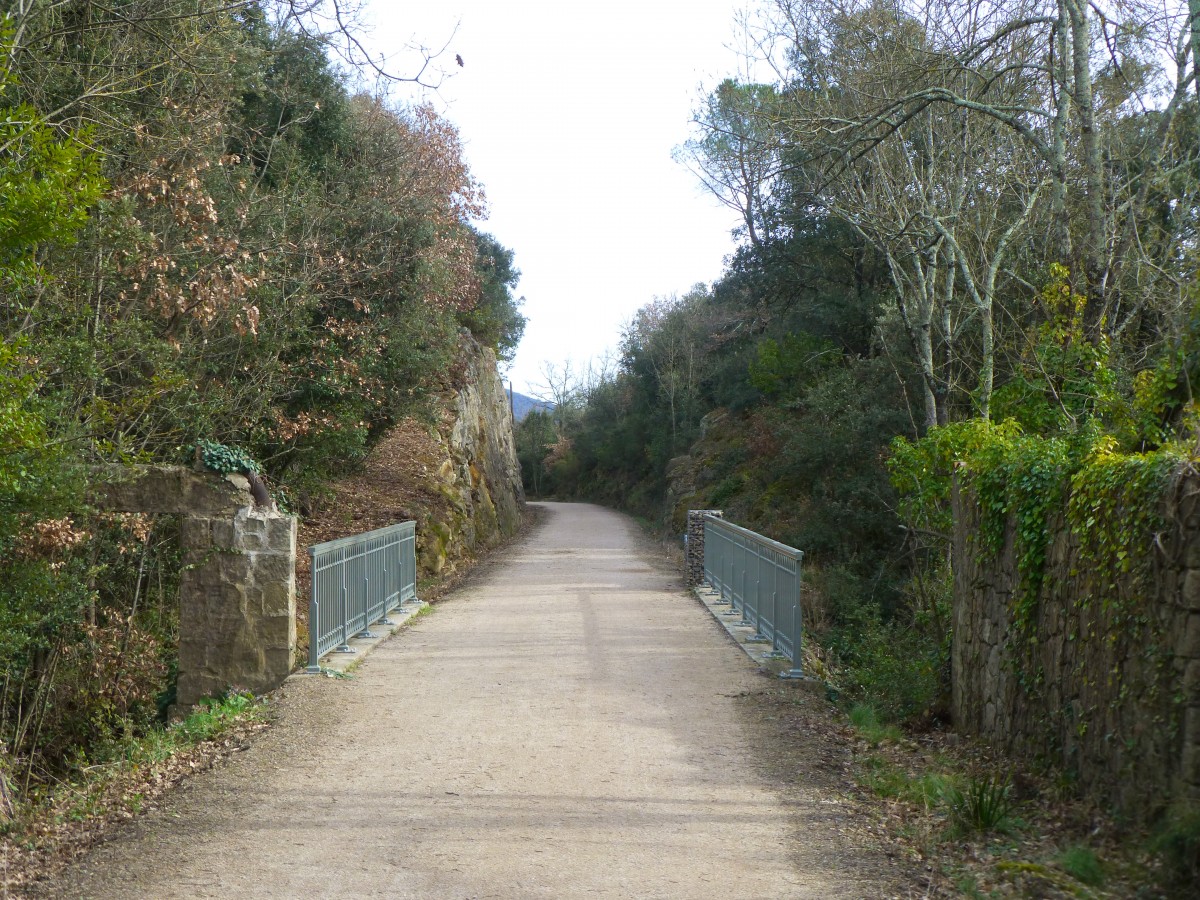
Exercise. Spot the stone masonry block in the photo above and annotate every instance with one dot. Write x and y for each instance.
(195, 533)
(223, 533)
(251, 521)
(251, 541)
(279, 600)
(232, 568)
(281, 535)
(273, 568)
(1188, 643)
(275, 633)
(277, 664)
(165, 489)
(1191, 678)
(1191, 726)
(1190, 595)
(1190, 766)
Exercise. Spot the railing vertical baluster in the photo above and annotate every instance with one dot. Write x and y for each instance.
(345, 647)
(797, 669)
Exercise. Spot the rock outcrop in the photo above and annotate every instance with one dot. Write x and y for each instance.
(458, 479)
(478, 478)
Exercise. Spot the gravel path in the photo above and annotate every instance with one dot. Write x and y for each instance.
(567, 724)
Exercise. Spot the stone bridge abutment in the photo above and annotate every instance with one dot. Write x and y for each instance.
(237, 592)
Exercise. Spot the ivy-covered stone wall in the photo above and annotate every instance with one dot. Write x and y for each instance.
(1099, 671)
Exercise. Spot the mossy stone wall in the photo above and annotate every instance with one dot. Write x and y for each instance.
(1103, 679)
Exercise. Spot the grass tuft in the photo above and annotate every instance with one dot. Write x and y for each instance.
(983, 804)
(864, 718)
(1083, 865)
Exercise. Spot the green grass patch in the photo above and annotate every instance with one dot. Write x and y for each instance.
(1177, 844)
(866, 720)
(928, 790)
(1083, 865)
(107, 781)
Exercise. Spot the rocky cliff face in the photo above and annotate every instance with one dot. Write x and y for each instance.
(478, 476)
(458, 479)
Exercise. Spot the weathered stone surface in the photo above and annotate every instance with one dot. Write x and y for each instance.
(1112, 687)
(693, 564)
(483, 449)
(480, 477)
(1190, 594)
(167, 489)
(238, 587)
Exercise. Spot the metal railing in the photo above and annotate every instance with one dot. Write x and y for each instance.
(760, 579)
(356, 582)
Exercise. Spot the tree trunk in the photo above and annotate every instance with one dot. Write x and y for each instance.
(1095, 263)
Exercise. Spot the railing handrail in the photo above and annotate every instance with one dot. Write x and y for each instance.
(790, 552)
(356, 581)
(338, 543)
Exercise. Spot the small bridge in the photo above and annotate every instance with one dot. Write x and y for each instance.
(569, 723)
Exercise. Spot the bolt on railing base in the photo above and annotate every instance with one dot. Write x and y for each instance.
(345, 648)
(796, 675)
(386, 621)
(312, 670)
(366, 634)
(775, 654)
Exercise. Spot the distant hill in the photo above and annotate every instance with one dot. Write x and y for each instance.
(523, 405)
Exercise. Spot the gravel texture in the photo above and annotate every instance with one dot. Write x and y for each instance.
(568, 723)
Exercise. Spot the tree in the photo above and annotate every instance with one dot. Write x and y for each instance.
(736, 155)
(949, 135)
(664, 342)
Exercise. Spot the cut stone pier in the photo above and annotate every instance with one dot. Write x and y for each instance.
(237, 593)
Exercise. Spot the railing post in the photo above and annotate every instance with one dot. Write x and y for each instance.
(797, 669)
(345, 647)
(745, 594)
(314, 618)
(387, 606)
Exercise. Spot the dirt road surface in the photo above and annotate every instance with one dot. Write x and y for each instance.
(566, 724)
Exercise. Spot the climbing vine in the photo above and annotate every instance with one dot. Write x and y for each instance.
(1115, 511)
(1071, 441)
(225, 460)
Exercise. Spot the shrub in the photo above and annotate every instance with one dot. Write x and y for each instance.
(983, 804)
(1177, 845)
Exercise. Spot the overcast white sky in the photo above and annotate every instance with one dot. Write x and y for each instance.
(569, 112)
